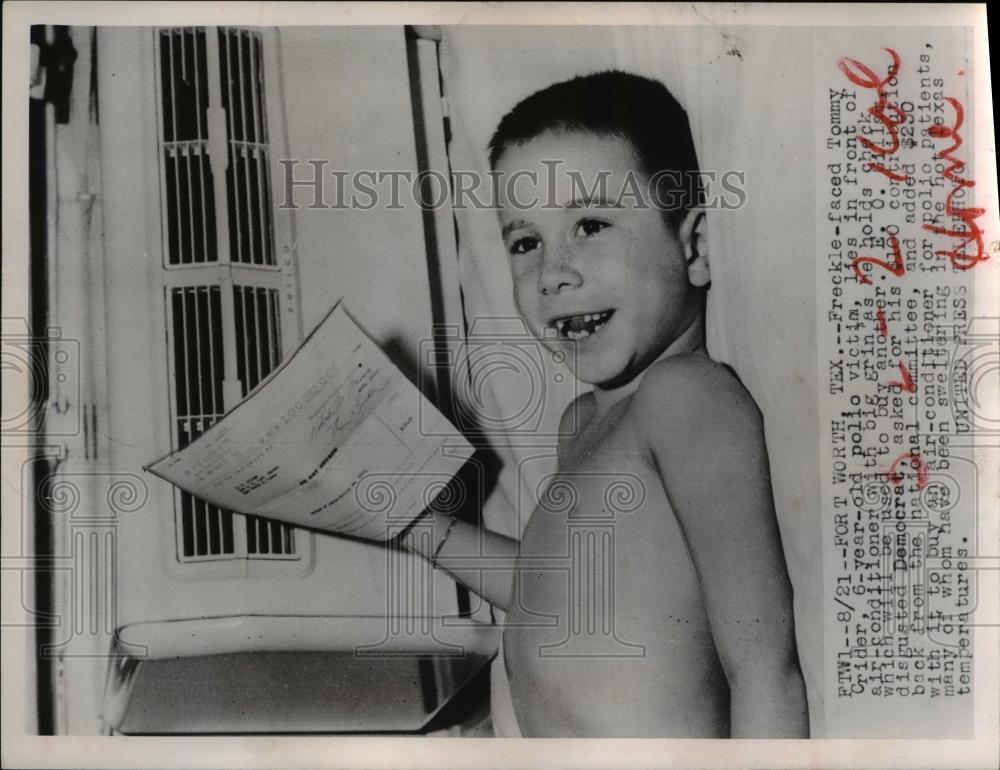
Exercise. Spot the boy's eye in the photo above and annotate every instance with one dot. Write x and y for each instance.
(524, 245)
(591, 226)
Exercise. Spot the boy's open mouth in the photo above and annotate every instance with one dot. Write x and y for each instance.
(578, 327)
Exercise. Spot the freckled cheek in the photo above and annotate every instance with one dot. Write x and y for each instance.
(522, 276)
(526, 297)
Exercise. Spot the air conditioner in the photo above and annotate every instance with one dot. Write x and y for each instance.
(197, 284)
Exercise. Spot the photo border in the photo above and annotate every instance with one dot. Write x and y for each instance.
(20, 750)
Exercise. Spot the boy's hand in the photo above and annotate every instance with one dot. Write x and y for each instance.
(706, 437)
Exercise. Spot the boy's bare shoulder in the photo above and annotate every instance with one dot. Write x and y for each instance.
(689, 401)
(575, 416)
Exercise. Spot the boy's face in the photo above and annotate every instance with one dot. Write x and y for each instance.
(604, 279)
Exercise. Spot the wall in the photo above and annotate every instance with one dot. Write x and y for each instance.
(360, 120)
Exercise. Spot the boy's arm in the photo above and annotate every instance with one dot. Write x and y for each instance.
(483, 561)
(493, 580)
(706, 437)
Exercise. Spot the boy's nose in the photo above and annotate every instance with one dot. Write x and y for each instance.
(557, 274)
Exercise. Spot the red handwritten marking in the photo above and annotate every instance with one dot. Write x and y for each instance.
(888, 113)
(972, 232)
(883, 327)
(892, 175)
(907, 384)
(917, 464)
(897, 268)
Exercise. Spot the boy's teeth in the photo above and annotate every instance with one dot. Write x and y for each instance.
(583, 325)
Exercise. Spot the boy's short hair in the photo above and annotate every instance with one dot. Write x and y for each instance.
(615, 103)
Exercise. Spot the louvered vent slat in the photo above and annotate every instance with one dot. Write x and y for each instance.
(258, 352)
(188, 182)
(247, 179)
(197, 316)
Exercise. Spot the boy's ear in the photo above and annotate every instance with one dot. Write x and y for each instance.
(694, 238)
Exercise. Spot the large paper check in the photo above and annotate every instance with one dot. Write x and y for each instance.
(336, 439)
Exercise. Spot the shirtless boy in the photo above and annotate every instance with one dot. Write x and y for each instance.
(686, 629)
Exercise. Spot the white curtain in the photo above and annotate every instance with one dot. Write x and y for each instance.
(748, 93)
